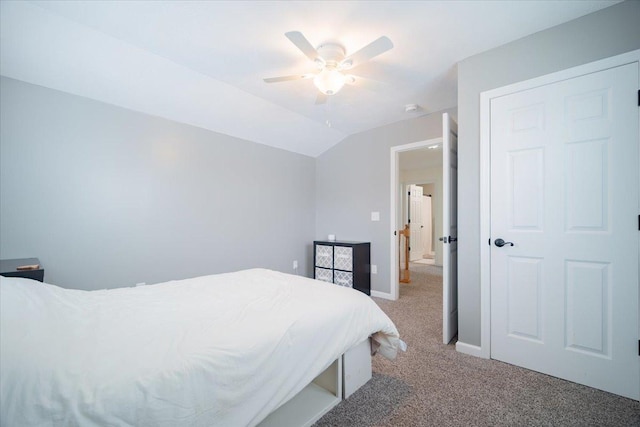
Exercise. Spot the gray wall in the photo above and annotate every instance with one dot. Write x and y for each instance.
(611, 31)
(352, 180)
(108, 197)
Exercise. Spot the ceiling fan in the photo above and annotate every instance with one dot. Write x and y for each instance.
(332, 62)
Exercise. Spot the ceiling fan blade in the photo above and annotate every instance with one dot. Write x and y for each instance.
(287, 78)
(303, 44)
(321, 98)
(368, 52)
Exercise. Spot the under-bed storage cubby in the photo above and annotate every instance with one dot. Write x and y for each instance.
(340, 380)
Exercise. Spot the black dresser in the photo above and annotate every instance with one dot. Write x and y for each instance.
(9, 268)
(343, 263)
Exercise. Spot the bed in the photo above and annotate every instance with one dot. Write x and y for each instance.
(227, 349)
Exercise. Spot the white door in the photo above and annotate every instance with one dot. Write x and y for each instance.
(426, 226)
(415, 222)
(564, 191)
(450, 228)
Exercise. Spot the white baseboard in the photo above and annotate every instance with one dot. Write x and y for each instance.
(472, 350)
(382, 295)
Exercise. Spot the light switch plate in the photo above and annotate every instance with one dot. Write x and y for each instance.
(374, 269)
(375, 216)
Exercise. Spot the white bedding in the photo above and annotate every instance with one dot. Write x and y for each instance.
(223, 350)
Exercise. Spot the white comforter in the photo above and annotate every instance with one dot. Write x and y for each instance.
(223, 350)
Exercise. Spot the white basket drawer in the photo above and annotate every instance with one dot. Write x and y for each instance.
(324, 275)
(324, 256)
(343, 278)
(343, 258)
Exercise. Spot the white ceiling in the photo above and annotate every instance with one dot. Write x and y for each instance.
(202, 63)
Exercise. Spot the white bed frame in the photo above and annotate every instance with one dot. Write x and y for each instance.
(340, 380)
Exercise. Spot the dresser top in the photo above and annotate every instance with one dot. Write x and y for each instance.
(340, 242)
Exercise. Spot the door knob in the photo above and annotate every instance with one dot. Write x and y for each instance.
(500, 243)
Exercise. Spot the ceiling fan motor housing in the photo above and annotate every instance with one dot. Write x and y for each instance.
(332, 53)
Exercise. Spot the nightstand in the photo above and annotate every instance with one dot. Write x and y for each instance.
(8, 268)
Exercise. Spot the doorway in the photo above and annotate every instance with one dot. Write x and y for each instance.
(447, 236)
(411, 164)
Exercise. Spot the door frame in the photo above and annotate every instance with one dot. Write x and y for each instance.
(394, 207)
(484, 349)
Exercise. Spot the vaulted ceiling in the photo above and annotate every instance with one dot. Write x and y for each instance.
(203, 63)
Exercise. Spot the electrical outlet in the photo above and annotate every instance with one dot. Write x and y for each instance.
(374, 269)
(295, 264)
(375, 216)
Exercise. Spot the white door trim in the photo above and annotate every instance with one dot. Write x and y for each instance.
(394, 206)
(484, 350)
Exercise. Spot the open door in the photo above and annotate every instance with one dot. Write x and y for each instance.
(415, 222)
(450, 228)
(427, 227)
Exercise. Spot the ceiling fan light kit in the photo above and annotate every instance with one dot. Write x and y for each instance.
(330, 59)
(329, 81)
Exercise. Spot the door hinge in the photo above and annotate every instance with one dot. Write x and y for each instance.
(638, 222)
(638, 347)
(638, 98)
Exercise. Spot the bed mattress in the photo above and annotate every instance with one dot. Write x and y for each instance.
(225, 349)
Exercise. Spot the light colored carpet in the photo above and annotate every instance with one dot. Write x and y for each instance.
(433, 385)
